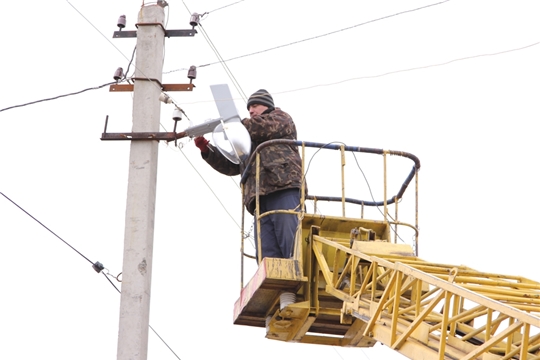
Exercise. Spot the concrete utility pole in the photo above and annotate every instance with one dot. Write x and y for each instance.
(141, 194)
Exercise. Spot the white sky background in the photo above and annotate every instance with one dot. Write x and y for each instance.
(471, 123)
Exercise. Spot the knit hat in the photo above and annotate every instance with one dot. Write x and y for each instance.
(261, 97)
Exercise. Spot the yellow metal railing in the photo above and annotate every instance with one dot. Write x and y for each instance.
(254, 160)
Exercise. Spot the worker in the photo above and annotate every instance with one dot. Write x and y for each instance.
(280, 177)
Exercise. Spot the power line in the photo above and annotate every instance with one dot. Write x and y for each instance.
(394, 72)
(246, 234)
(124, 76)
(323, 35)
(58, 97)
(110, 42)
(223, 7)
(93, 88)
(220, 58)
(40, 223)
(151, 328)
(411, 69)
(312, 86)
(225, 66)
(97, 266)
(319, 85)
(211, 190)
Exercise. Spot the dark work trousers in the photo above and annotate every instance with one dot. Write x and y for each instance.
(278, 230)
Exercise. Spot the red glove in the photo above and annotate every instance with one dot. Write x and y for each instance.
(202, 144)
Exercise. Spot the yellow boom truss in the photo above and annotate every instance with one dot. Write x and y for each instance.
(355, 286)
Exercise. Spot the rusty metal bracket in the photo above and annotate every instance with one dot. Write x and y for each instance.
(167, 136)
(140, 136)
(164, 87)
(168, 33)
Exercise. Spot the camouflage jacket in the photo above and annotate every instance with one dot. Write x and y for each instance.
(281, 166)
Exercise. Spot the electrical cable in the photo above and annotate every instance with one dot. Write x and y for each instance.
(391, 72)
(110, 42)
(320, 36)
(245, 234)
(78, 252)
(58, 97)
(223, 7)
(52, 232)
(220, 58)
(210, 188)
(410, 69)
(240, 91)
(124, 78)
(316, 85)
(150, 326)
(224, 64)
(164, 342)
(129, 64)
(230, 74)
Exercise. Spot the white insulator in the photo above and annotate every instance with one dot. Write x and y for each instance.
(177, 114)
(165, 98)
(285, 299)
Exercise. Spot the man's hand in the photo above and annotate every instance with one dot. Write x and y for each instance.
(202, 144)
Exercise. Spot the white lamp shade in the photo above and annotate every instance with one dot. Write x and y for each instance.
(233, 141)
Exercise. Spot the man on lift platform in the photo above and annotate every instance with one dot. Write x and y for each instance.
(280, 177)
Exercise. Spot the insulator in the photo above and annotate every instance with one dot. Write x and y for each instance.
(118, 74)
(194, 19)
(192, 73)
(165, 98)
(121, 22)
(177, 114)
(97, 266)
